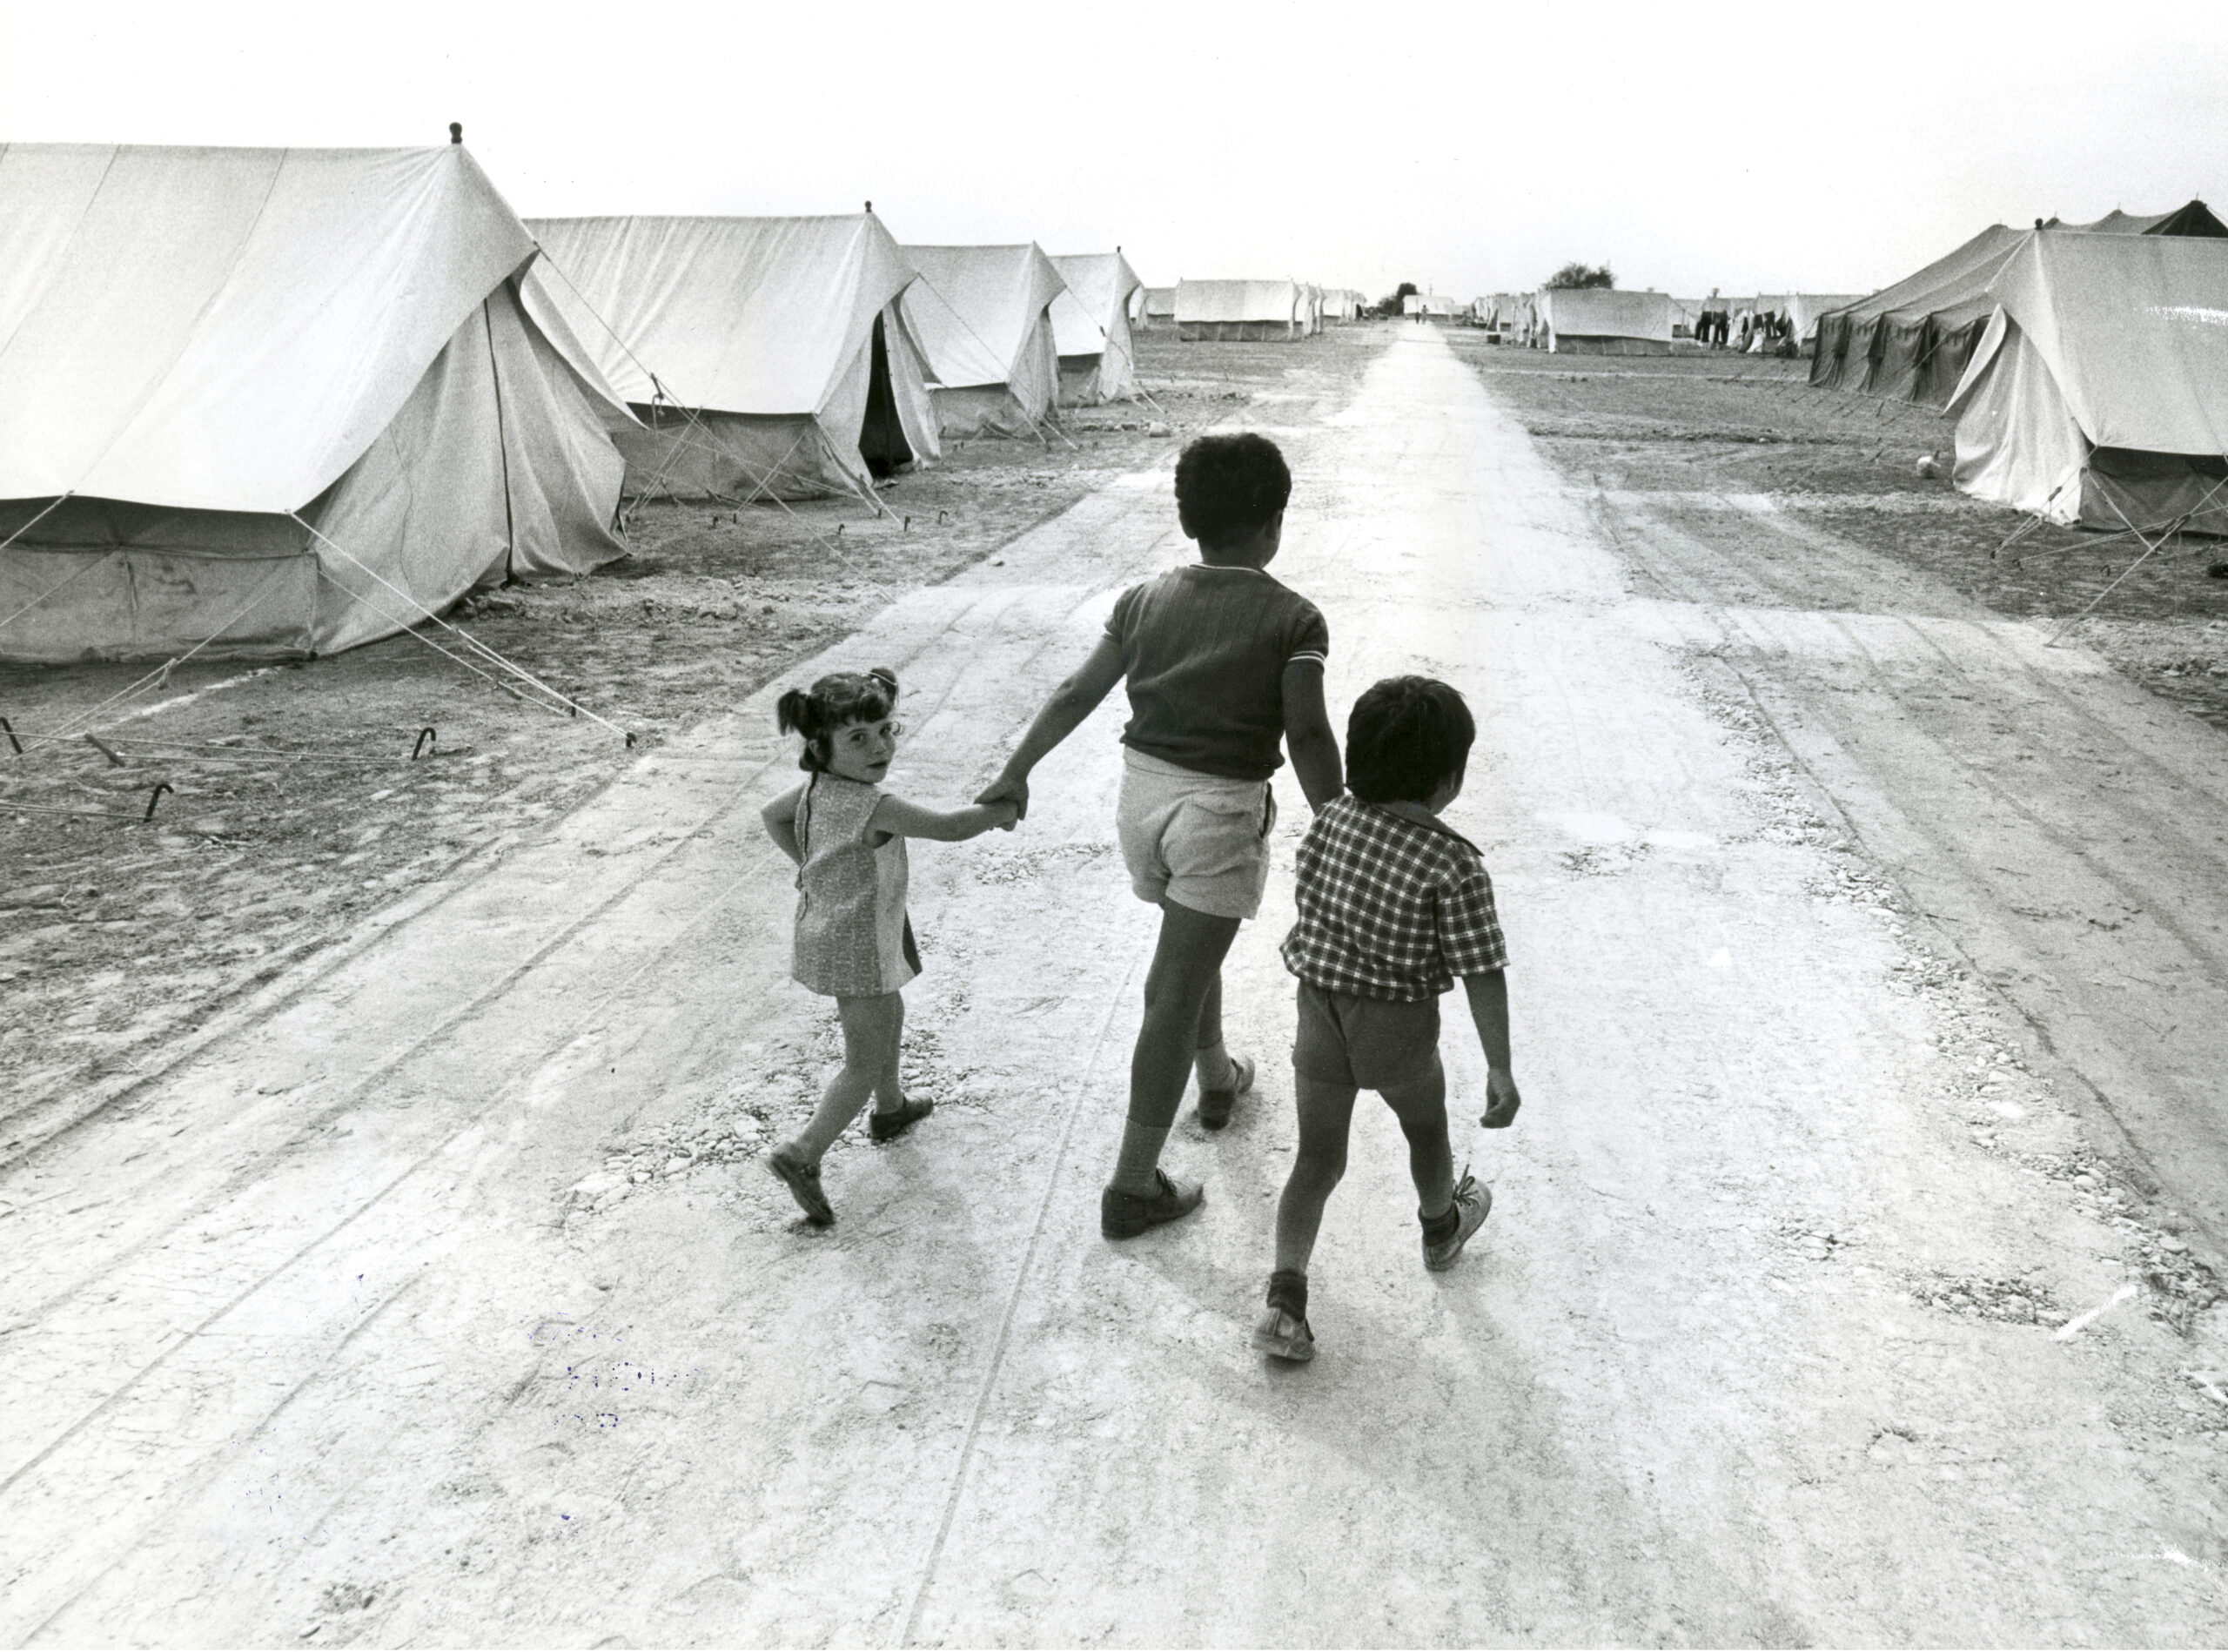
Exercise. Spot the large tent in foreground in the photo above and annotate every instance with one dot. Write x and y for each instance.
(766, 357)
(1912, 341)
(983, 315)
(277, 402)
(2099, 393)
(1091, 328)
(1604, 321)
(1245, 310)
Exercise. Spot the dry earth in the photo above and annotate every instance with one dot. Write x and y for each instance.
(1851, 1274)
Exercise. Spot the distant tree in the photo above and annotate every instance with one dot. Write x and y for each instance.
(1583, 275)
(1391, 305)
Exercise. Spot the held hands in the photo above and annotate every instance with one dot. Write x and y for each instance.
(1009, 812)
(1502, 1099)
(1008, 788)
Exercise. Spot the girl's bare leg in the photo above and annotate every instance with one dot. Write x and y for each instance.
(889, 1090)
(871, 1027)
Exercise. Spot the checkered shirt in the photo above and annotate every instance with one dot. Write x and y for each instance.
(1390, 908)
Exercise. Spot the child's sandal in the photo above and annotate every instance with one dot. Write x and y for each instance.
(881, 1127)
(802, 1180)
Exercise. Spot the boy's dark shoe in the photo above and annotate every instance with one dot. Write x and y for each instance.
(1126, 1215)
(802, 1178)
(1282, 1335)
(881, 1127)
(1215, 1105)
(1470, 1203)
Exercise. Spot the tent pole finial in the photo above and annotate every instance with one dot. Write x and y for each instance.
(456, 131)
(870, 209)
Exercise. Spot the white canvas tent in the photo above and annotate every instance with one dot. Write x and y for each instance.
(1159, 306)
(1604, 321)
(1248, 311)
(1341, 304)
(1091, 328)
(2098, 393)
(766, 357)
(277, 402)
(982, 315)
(1914, 340)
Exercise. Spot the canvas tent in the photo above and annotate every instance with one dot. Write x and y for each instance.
(2099, 393)
(766, 357)
(1341, 304)
(2192, 217)
(1160, 307)
(982, 315)
(1091, 328)
(1804, 310)
(1237, 310)
(1912, 341)
(277, 402)
(1511, 313)
(1604, 321)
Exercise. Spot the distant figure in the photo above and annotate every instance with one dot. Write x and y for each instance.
(854, 940)
(1393, 906)
(1223, 666)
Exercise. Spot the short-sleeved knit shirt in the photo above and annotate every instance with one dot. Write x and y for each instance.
(1391, 908)
(1205, 648)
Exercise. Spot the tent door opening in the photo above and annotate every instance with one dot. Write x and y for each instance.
(881, 437)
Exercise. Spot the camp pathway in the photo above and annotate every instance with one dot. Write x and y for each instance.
(448, 1302)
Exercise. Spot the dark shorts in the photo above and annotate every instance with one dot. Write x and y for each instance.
(1369, 1044)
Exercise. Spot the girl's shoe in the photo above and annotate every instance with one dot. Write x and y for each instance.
(802, 1178)
(1215, 1105)
(881, 1127)
(1282, 1335)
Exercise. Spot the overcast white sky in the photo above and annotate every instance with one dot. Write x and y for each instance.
(1472, 152)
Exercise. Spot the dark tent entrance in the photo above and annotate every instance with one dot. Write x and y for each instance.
(881, 437)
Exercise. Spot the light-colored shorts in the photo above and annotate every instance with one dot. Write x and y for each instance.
(1201, 841)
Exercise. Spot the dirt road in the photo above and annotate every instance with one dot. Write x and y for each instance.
(443, 1299)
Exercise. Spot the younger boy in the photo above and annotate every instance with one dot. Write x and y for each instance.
(1224, 665)
(1393, 906)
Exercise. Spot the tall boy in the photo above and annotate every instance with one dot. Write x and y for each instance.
(1392, 907)
(1223, 664)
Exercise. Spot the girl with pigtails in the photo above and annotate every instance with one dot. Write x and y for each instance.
(854, 942)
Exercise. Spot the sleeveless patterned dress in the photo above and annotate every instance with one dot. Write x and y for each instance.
(853, 938)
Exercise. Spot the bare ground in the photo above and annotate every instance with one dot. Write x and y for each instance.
(1850, 1280)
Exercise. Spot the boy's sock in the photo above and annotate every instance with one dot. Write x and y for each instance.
(1215, 1068)
(1140, 1157)
(1442, 1227)
(1288, 1291)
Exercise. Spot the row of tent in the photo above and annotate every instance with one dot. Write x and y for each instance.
(287, 401)
(2086, 366)
(1619, 321)
(1274, 311)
